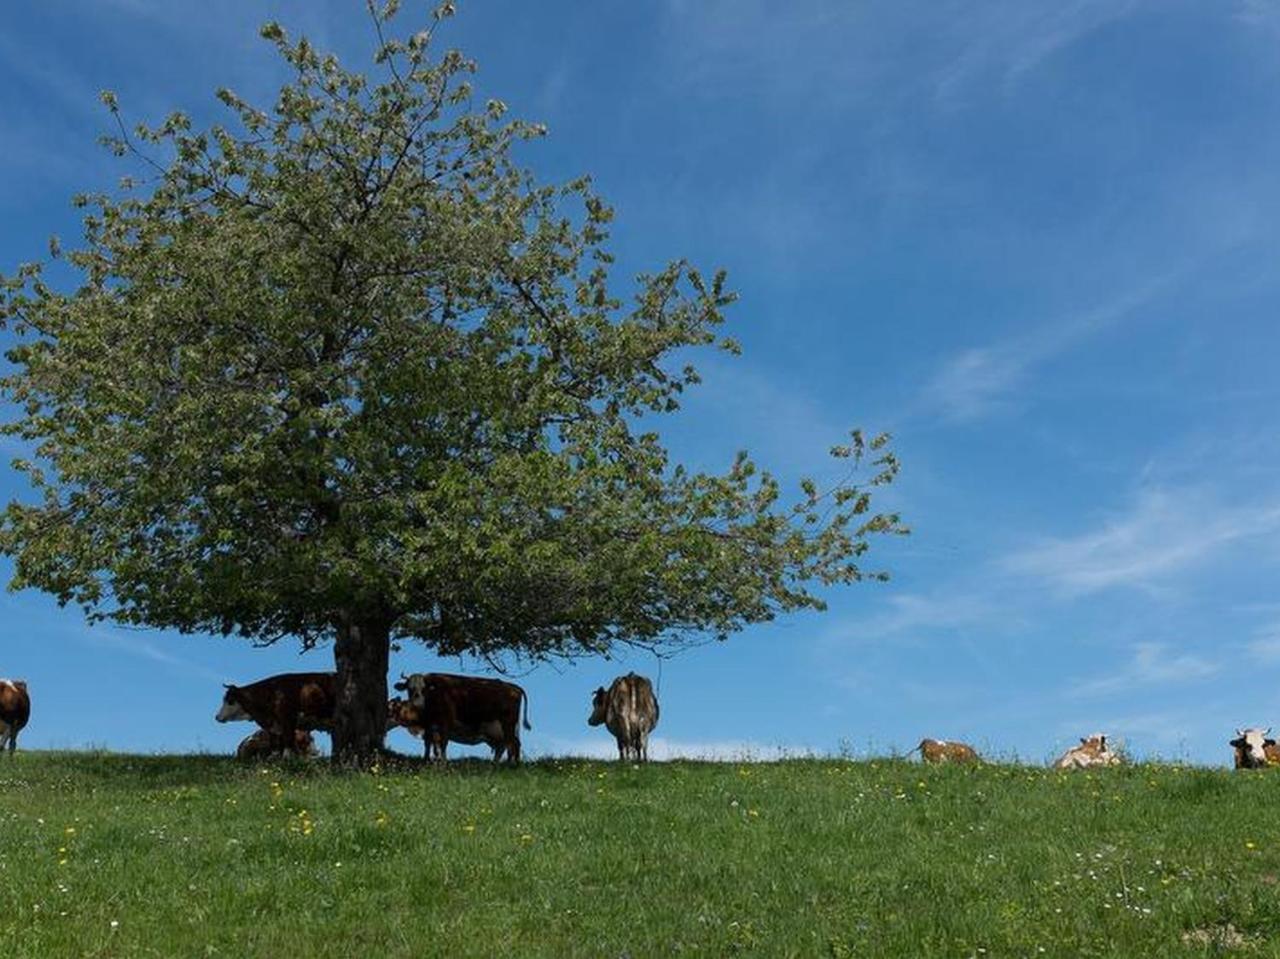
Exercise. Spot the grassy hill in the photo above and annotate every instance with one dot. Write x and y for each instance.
(112, 855)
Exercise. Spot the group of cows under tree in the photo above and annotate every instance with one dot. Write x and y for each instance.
(441, 708)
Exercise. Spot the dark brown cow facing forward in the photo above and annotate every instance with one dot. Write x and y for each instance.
(465, 709)
(629, 710)
(282, 705)
(15, 710)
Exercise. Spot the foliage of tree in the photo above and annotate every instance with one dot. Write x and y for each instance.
(341, 369)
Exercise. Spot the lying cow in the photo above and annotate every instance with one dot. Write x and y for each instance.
(1254, 748)
(15, 710)
(629, 710)
(259, 745)
(1092, 751)
(282, 705)
(466, 709)
(945, 751)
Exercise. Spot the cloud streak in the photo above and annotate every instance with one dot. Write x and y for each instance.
(981, 380)
(1166, 531)
(1151, 664)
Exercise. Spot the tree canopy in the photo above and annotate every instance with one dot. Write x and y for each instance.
(342, 363)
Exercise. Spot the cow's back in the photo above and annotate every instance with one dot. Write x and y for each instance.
(472, 701)
(15, 704)
(306, 700)
(632, 707)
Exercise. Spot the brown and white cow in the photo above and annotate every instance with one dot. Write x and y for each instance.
(15, 710)
(403, 714)
(629, 710)
(1254, 748)
(259, 745)
(1092, 751)
(467, 709)
(947, 751)
(282, 705)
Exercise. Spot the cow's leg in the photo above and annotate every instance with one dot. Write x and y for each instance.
(643, 748)
(513, 748)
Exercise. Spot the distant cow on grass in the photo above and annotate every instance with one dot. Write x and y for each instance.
(15, 710)
(282, 705)
(467, 709)
(1092, 751)
(945, 751)
(1254, 748)
(259, 745)
(629, 710)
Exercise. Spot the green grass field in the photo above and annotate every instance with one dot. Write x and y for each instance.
(111, 855)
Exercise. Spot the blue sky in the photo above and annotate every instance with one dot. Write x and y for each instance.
(1035, 240)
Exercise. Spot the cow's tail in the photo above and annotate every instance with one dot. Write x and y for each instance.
(525, 696)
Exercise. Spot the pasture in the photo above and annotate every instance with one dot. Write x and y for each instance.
(118, 855)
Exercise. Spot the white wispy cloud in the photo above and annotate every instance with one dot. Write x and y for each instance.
(1151, 664)
(919, 612)
(1003, 43)
(1265, 646)
(981, 380)
(142, 648)
(1166, 530)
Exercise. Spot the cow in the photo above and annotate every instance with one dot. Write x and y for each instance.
(945, 751)
(1254, 748)
(629, 710)
(259, 745)
(15, 710)
(403, 714)
(282, 705)
(1092, 751)
(467, 709)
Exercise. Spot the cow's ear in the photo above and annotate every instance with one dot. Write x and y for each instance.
(1084, 740)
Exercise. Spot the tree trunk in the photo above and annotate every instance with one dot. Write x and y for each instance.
(361, 656)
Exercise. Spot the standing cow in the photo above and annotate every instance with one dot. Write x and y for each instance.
(282, 705)
(1254, 748)
(945, 751)
(629, 710)
(1092, 751)
(15, 710)
(465, 709)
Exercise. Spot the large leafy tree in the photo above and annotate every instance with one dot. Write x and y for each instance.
(341, 370)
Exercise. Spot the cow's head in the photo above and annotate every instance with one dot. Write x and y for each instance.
(304, 744)
(599, 699)
(232, 709)
(1095, 745)
(415, 685)
(1251, 746)
(400, 712)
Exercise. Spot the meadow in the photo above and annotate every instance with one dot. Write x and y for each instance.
(118, 855)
